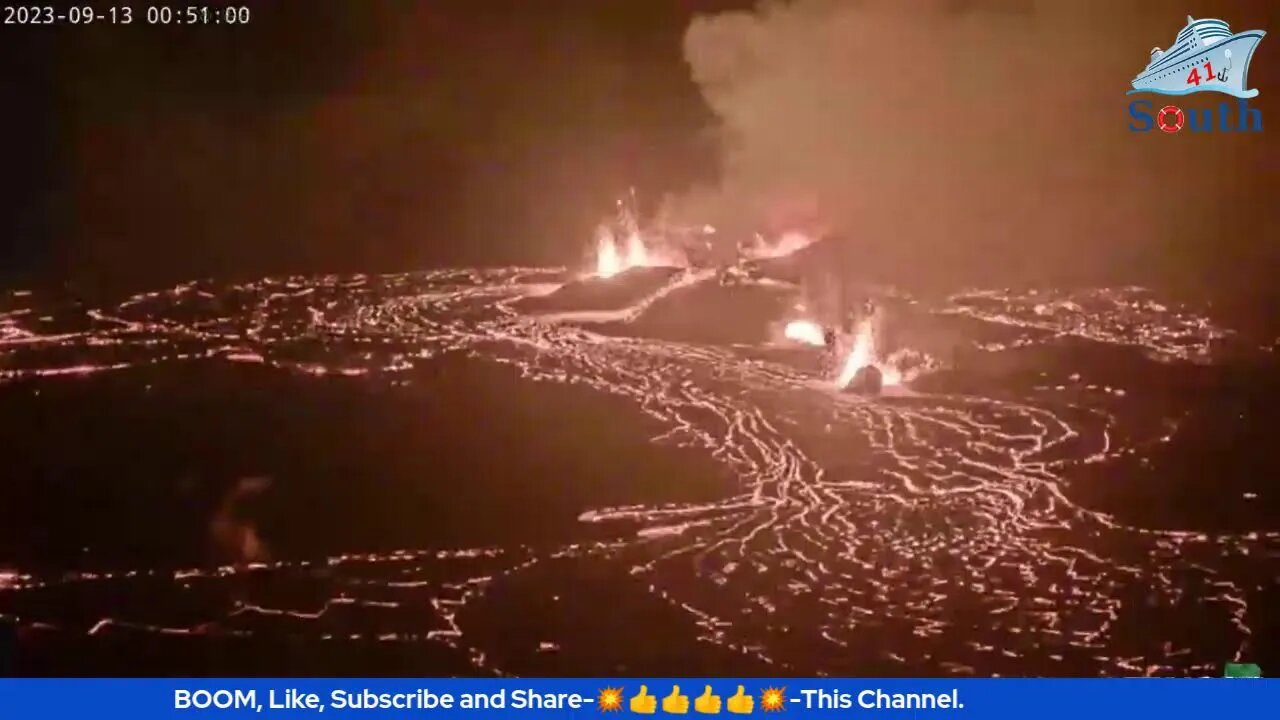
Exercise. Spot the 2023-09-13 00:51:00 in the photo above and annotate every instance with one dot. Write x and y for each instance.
(125, 15)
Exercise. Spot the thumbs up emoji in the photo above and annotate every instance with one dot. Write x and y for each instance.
(675, 703)
(741, 703)
(707, 704)
(643, 702)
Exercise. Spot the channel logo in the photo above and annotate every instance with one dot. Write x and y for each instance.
(1205, 57)
(1172, 119)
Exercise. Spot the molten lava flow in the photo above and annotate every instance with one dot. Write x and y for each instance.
(862, 354)
(805, 331)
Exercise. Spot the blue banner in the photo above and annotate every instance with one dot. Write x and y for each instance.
(988, 699)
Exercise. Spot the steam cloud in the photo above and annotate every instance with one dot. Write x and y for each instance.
(234, 533)
(954, 141)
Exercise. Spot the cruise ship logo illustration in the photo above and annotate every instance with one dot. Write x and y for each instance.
(1205, 57)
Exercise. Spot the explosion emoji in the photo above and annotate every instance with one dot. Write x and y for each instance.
(610, 700)
(773, 699)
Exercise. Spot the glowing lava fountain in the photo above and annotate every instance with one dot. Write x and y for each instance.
(805, 331)
(612, 257)
(862, 354)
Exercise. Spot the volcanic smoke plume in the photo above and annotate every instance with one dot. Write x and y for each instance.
(950, 141)
(233, 532)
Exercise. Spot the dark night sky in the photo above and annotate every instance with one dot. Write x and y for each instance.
(340, 136)
(376, 135)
